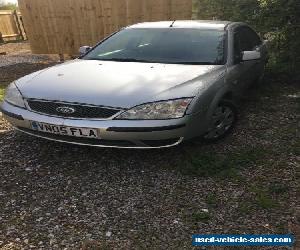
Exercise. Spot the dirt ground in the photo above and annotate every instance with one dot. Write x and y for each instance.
(61, 196)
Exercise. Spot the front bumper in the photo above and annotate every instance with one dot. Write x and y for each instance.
(113, 133)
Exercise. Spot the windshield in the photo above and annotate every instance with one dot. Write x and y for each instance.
(170, 45)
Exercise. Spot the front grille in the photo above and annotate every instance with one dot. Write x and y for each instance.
(80, 110)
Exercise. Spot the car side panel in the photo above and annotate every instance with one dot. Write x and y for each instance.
(238, 77)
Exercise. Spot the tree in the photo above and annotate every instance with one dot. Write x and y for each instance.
(276, 20)
(7, 6)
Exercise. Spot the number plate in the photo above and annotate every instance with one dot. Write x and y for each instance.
(64, 130)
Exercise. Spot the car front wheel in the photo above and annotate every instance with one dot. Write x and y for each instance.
(222, 122)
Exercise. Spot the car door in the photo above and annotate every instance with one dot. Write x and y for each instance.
(240, 74)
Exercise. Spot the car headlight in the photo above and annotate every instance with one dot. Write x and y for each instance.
(170, 109)
(13, 96)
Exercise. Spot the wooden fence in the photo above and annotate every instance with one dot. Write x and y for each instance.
(62, 26)
(11, 25)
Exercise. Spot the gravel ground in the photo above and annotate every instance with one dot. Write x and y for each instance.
(17, 53)
(60, 196)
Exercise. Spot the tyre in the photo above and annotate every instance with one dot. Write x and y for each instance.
(222, 121)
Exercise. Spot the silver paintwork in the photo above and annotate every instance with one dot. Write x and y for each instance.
(114, 84)
(127, 84)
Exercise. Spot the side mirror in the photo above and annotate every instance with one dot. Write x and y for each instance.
(84, 49)
(251, 55)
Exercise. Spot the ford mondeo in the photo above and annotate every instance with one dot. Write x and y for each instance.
(149, 85)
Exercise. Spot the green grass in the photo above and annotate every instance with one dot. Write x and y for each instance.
(245, 207)
(200, 217)
(278, 188)
(221, 166)
(296, 147)
(211, 200)
(281, 228)
(265, 201)
(2, 89)
(263, 197)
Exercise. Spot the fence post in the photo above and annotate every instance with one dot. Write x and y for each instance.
(18, 24)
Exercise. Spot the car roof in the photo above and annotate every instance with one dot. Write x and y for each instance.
(196, 24)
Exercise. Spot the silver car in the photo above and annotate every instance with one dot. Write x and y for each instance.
(150, 85)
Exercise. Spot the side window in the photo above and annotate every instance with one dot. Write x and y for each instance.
(245, 41)
(254, 38)
(250, 39)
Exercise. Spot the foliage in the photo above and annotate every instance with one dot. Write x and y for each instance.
(7, 6)
(2, 88)
(276, 20)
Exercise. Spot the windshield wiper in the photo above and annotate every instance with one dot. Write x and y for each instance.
(162, 62)
(196, 63)
(146, 61)
(125, 60)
